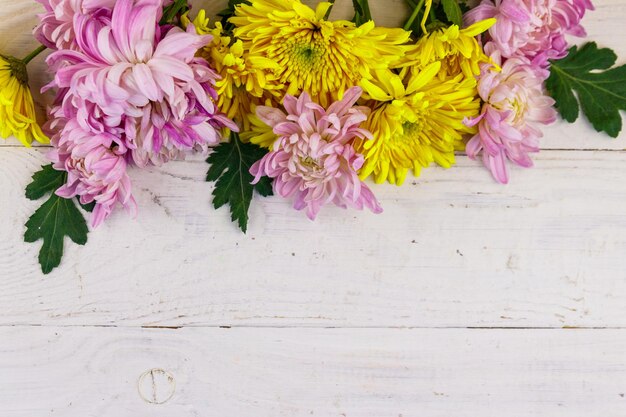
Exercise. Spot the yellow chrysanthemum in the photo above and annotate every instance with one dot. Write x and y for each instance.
(457, 49)
(312, 54)
(245, 78)
(418, 120)
(17, 110)
(259, 132)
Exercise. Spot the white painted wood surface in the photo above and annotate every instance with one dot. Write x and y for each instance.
(270, 372)
(455, 302)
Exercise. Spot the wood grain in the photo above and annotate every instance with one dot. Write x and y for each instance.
(94, 372)
(353, 315)
(453, 248)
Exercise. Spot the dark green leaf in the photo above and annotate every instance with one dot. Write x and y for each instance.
(465, 7)
(56, 218)
(453, 11)
(87, 207)
(362, 12)
(229, 12)
(175, 9)
(45, 181)
(602, 94)
(358, 9)
(230, 169)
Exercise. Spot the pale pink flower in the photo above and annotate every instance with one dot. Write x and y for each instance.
(130, 74)
(313, 159)
(56, 25)
(534, 29)
(515, 104)
(96, 169)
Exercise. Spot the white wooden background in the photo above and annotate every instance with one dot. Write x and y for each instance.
(465, 298)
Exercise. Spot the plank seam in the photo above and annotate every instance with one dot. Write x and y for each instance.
(148, 327)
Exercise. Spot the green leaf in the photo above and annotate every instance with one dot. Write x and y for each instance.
(229, 12)
(87, 207)
(230, 169)
(601, 94)
(453, 12)
(175, 9)
(45, 181)
(362, 12)
(53, 220)
(465, 7)
(56, 218)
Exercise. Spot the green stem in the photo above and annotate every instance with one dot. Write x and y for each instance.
(416, 11)
(33, 54)
(327, 15)
(366, 10)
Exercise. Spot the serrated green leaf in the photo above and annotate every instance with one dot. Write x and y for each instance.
(56, 218)
(53, 220)
(230, 169)
(45, 181)
(453, 11)
(601, 94)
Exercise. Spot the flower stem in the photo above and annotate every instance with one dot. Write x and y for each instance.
(33, 54)
(366, 9)
(416, 11)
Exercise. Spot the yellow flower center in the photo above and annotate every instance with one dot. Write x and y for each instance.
(316, 59)
(306, 57)
(411, 130)
(310, 163)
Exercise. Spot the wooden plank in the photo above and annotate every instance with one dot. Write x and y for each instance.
(453, 248)
(603, 25)
(78, 372)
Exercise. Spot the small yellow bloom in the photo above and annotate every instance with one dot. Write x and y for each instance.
(246, 78)
(417, 119)
(259, 132)
(17, 109)
(456, 48)
(312, 54)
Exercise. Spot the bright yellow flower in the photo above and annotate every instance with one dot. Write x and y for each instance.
(457, 49)
(259, 132)
(416, 122)
(245, 78)
(17, 110)
(312, 54)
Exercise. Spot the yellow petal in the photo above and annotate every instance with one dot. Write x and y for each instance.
(423, 77)
(321, 9)
(479, 27)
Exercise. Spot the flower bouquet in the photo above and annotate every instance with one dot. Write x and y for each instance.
(284, 100)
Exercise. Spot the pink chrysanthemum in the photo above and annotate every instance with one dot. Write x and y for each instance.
(56, 25)
(128, 73)
(514, 104)
(129, 91)
(534, 29)
(313, 158)
(96, 169)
